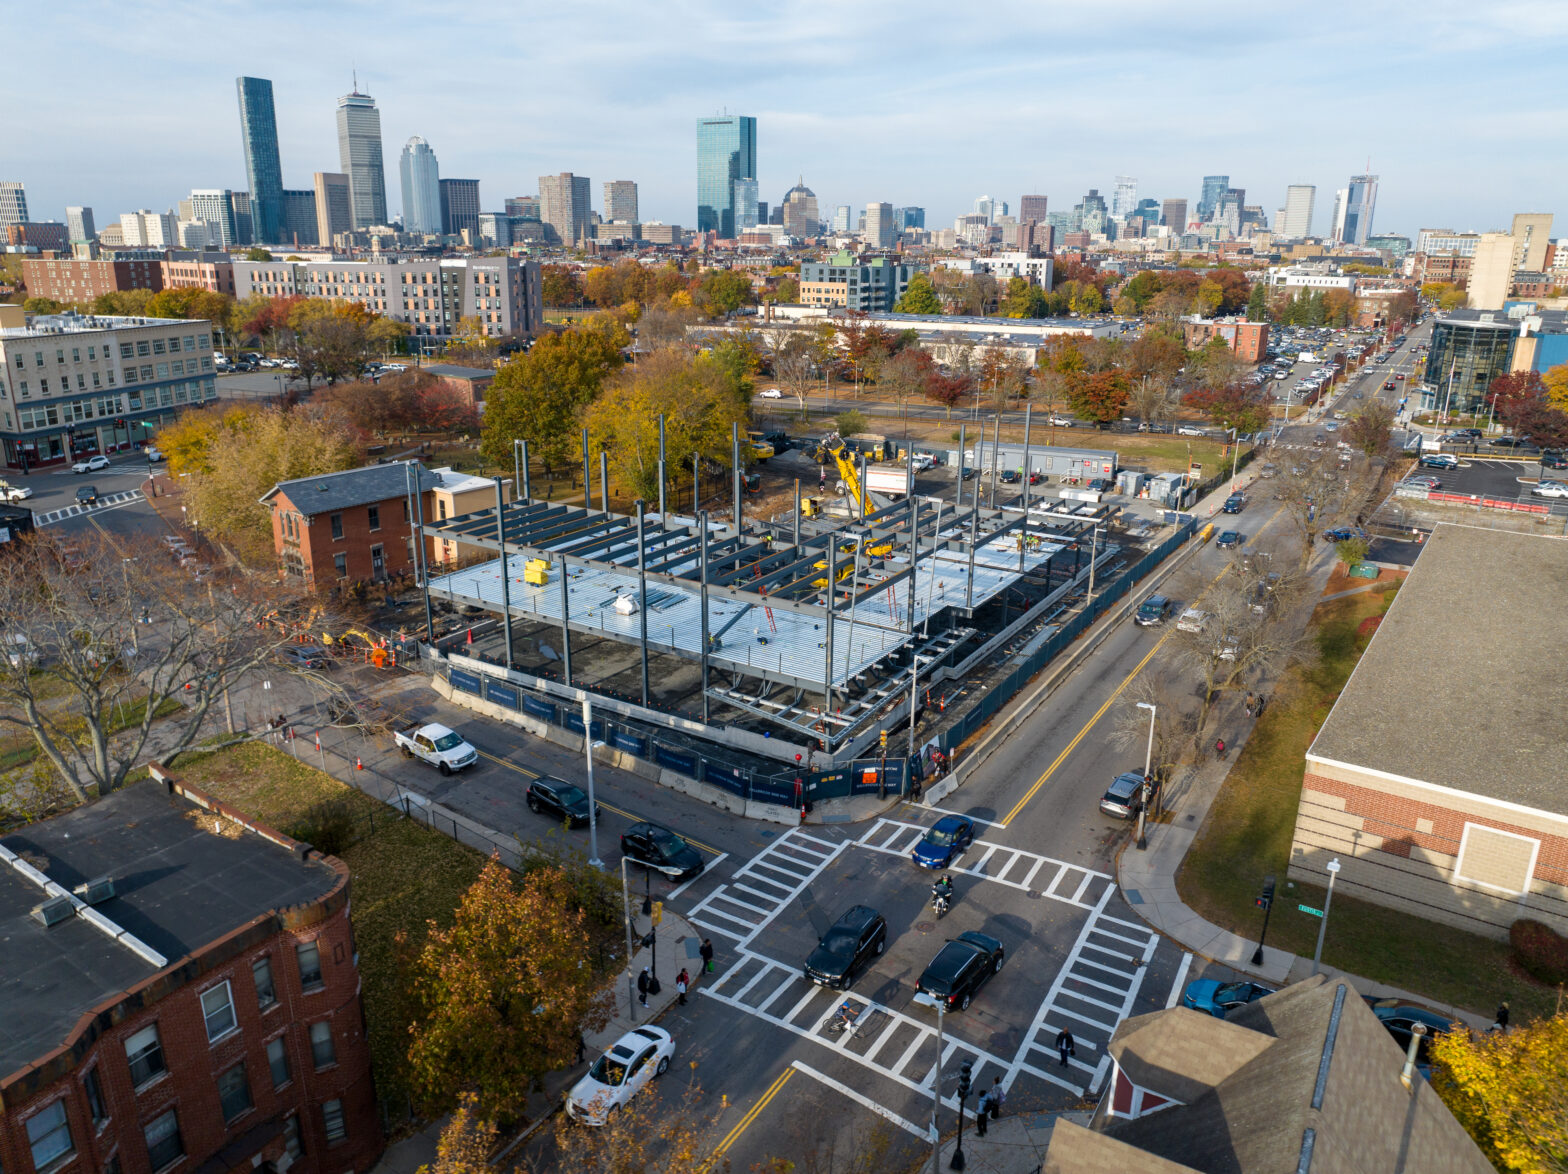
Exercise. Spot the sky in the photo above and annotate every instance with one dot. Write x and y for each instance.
(132, 105)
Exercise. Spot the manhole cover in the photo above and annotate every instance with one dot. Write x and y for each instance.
(925, 926)
(765, 835)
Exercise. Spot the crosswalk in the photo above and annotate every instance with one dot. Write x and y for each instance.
(765, 885)
(71, 511)
(1071, 884)
(1091, 994)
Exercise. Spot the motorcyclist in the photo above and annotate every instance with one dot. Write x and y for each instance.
(943, 889)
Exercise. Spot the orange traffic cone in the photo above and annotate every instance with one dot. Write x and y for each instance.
(358, 765)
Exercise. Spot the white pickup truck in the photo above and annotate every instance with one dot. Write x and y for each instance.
(442, 748)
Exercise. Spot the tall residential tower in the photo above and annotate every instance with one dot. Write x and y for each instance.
(359, 157)
(259, 137)
(1296, 223)
(421, 176)
(726, 151)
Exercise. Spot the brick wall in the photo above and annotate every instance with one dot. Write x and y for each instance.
(317, 547)
(1400, 845)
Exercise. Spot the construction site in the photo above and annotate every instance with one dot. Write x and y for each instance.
(808, 634)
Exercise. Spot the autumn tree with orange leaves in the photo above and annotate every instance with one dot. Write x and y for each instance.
(1510, 1092)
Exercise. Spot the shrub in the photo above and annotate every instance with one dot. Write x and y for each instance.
(328, 827)
(1540, 951)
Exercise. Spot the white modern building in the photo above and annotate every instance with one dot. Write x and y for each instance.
(880, 232)
(420, 173)
(1446, 240)
(13, 203)
(214, 207)
(743, 198)
(1005, 266)
(146, 229)
(1296, 221)
(1313, 277)
(1124, 197)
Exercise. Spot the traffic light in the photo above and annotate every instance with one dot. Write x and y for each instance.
(884, 741)
(658, 912)
(1266, 898)
(964, 1085)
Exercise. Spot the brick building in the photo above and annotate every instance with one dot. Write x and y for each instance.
(67, 280)
(1437, 779)
(1452, 268)
(181, 995)
(469, 382)
(358, 525)
(46, 236)
(1249, 340)
(217, 276)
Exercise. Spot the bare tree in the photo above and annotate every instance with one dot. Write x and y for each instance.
(1322, 489)
(1152, 397)
(1175, 720)
(103, 640)
(795, 367)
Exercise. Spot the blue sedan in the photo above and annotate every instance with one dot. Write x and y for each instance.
(1219, 998)
(945, 842)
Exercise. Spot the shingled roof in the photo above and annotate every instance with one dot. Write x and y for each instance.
(331, 492)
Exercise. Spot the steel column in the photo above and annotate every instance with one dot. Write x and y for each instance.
(958, 483)
(974, 537)
(827, 688)
(1023, 537)
(506, 578)
(587, 480)
(702, 595)
(661, 468)
(566, 626)
(642, 599)
(527, 489)
(797, 514)
(735, 470)
(604, 480)
(421, 559)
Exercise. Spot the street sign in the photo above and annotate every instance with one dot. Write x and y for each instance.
(1309, 909)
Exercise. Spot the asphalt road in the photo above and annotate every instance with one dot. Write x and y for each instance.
(122, 505)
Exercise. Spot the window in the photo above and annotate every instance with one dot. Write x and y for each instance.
(234, 1092)
(49, 1133)
(306, 953)
(291, 1142)
(142, 348)
(266, 993)
(278, 1061)
(322, 1050)
(76, 354)
(145, 1055)
(337, 525)
(125, 350)
(374, 513)
(93, 1087)
(332, 1118)
(217, 1008)
(157, 346)
(340, 565)
(162, 1135)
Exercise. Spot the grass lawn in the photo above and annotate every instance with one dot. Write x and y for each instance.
(18, 749)
(1248, 831)
(404, 875)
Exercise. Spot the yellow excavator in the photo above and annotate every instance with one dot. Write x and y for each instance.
(833, 447)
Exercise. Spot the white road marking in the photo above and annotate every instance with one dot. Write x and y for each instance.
(682, 887)
(1181, 979)
(865, 1101)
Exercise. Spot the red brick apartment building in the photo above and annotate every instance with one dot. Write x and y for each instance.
(1249, 340)
(181, 996)
(66, 280)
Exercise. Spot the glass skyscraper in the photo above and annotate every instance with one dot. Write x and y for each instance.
(1360, 202)
(259, 134)
(421, 176)
(726, 151)
(1214, 186)
(359, 156)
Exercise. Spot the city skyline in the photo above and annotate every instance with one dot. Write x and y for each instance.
(1319, 127)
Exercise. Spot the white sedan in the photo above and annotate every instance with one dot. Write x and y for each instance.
(91, 464)
(632, 1061)
(771, 393)
(15, 492)
(1550, 489)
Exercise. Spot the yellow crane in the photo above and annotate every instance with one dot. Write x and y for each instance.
(844, 457)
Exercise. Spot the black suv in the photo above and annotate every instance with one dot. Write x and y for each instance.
(660, 849)
(1235, 503)
(1152, 611)
(959, 970)
(87, 495)
(562, 800)
(848, 948)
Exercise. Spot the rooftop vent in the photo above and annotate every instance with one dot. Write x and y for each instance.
(97, 891)
(54, 911)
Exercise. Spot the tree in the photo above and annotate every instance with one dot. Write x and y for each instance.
(1100, 397)
(919, 297)
(1510, 1092)
(1338, 307)
(1516, 396)
(1454, 299)
(1151, 396)
(1174, 722)
(904, 376)
(787, 292)
(1215, 364)
(1371, 429)
(500, 998)
(723, 291)
(694, 397)
(375, 409)
(539, 395)
(1352, 550)
(795, 367)
(128, 303)
(42, 306)
(257, 255)
(1023, 299)
(1155, 353)
(1258, 303)
(560, 287)
(737, 355)
(116, 636)
(1240, 405)
(470, 343)
(1317, 493)
(1208, 298)
(850, 422)
(439, 406)
(466, 1141)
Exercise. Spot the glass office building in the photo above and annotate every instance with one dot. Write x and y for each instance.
(726, 151)
(259, 135)
(1469, 349)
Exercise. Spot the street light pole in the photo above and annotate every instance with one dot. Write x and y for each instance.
(593, 817)
(1333, 871)
(1148, 762)
(626, 901)
(936, 1091)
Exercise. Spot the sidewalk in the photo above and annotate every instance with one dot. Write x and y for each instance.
(676, 947)
(1015, 1143)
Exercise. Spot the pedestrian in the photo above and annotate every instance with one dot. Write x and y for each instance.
(996, 1097)
(1249, 705)
(707, 955)
(1219, 747)
(1502, 1016)
(642, 987)
(981, 1114)
(1064, 1045)
(682, 981)
(582, 1047)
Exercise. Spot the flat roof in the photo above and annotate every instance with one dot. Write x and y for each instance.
(1456, 688)
(179, 886)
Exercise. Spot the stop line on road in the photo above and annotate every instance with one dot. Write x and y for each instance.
(107, 501)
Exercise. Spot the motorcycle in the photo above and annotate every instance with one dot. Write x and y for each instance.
(939, 902)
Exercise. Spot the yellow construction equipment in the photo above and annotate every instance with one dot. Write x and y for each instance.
(536, 572)
(844, 457)
(761, 449)
(842, 571)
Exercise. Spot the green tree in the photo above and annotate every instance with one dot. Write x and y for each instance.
(723, 291)
(1208, 298)
(1352, 550)
(850, 422)
(1258, 303)
(500, 998)
(1510, 1092)
(539, 395)
(257, 255)
(1371, 429)
(1023, 299)
(42, 306)
(736, 355)
(1237, 405)
(919, 297)
(560, 287)
(787, 292)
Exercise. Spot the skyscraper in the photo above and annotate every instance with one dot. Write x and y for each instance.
(459, 206)
(214, 207)
(1532, 232)
(1031, 208)
(359, 157)
(620, 200)
(299, 218)
(799, 213)
(910, 217)
(726, 151)
(13, 203)
(146, 229)
(880, 231)
(523, 207)
(1173, 215)
(841, 218)
(1297, 221)
(990, 208)
(1354, 219)
(1214, 187)
(1125, 198)
(259, 137)
(80, 223)
(334, 206)
(563, 204)
(421, 176)
(745, 201)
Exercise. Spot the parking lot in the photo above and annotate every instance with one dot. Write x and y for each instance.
(1503, 480)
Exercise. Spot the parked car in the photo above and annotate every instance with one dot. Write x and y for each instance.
(1510, 441)
(1229, 539)
(1061, 421)
(305, 656)
(1011, 476)
(1341, 533)
(1439, 460)
(565, 802)
(959, 970)
(1218, 998)
(1124, 796)
(770, 393)
(945, 842)
(848, 947)
(1101, 484)
(1190, 430)
(654, 846)
(1554, 460)
(1425, 480)
(1152, 611)
(639, 1056)
(1400, 1019)
(1550, 489)
(87, 495)
(91, 464)
(438, 745)
(1192, 620)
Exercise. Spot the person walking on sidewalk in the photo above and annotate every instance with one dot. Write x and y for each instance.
(981, 1113)
(1248, 706)
(1501, 1023)
(642, 987)
(1065, 1046)
(996, 1097)
(1219, 748)
(682, 981)
(707, 955)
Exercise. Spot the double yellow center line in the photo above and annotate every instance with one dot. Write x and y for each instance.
(744, 1123)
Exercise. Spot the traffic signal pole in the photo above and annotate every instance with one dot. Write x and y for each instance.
(1266, 903)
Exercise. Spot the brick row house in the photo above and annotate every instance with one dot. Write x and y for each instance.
(181, 994)
(357, 526)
